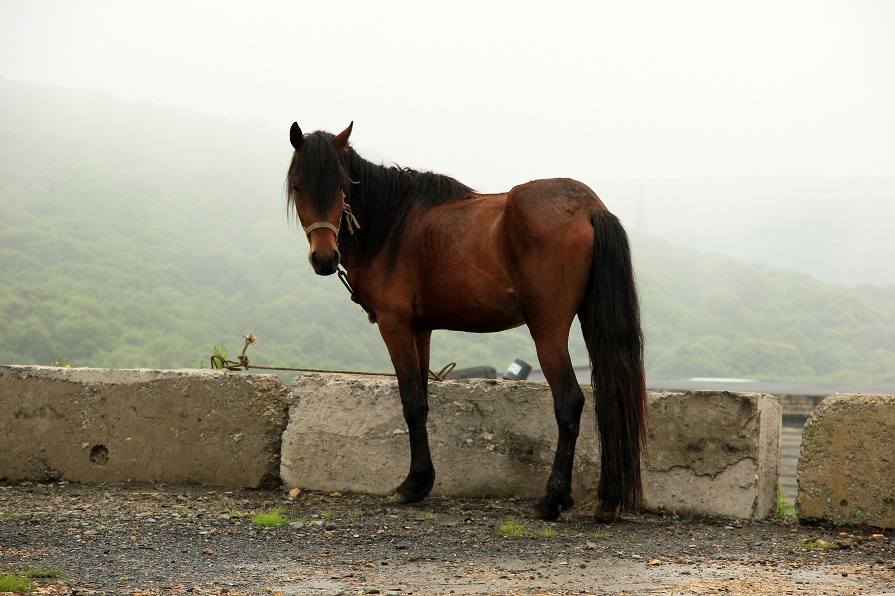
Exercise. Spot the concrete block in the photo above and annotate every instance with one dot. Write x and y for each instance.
(711, 453)
(97, 425)
(846, 471)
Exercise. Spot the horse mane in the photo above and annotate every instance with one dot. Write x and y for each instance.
(381, 197)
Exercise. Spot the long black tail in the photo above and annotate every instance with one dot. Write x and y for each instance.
(610, 318)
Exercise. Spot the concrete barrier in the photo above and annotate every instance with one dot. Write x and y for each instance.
(846, 471)
(712, 453)
(96, 425)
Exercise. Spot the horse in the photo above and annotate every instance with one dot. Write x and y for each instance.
(424, 251)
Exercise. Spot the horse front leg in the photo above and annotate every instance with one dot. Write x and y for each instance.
(406, 349)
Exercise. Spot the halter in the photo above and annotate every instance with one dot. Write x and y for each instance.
(350, 221)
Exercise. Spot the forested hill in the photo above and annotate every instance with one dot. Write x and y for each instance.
(138, 236)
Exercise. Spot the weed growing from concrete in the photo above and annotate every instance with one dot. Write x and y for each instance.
(61, 361)
(512, 528)
(270, 519)
(783, 510)
(219, 352)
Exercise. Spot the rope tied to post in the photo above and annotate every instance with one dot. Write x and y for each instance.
(219, 362)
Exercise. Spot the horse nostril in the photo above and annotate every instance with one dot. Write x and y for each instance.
(324, 265)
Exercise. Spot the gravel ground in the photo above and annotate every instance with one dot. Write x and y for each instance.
(152, 539)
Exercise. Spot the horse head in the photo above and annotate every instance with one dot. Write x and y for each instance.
(316, 186)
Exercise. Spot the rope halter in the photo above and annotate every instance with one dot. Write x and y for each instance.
(350, 222)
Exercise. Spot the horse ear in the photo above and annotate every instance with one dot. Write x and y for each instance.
(341, 139)
(295, 136)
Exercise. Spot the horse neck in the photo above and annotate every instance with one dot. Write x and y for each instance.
(377, 199)
(381, 197)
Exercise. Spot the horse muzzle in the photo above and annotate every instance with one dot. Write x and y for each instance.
(324, 259)
(324, 263)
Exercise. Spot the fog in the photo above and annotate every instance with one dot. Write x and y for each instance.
(678, 114)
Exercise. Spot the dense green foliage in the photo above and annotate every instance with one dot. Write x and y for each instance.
(707, 315)
(136, 236)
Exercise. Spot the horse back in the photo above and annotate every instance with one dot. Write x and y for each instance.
(547, 214)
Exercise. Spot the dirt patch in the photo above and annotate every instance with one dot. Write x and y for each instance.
(151, 539)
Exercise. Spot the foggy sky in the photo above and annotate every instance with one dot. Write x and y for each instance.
(498, 93)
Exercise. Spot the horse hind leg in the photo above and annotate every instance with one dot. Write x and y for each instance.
(568, 403)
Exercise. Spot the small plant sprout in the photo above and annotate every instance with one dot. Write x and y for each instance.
(783, 510)
(61, 360)
(547, 533)
(230, 510)
(512, 528)
(270, 519)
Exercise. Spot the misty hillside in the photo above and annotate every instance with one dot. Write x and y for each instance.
(138, 236)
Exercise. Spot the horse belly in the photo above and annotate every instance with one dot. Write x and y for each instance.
(465, 284)
(467, 309)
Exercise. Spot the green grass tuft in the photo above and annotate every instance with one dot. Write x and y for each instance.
(43, 573)
(12, 582)
(512, 528)
(270, 519)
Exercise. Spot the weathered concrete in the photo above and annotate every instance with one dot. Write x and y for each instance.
(714, 453)
(97, 425)
(711, 453)
(846, 471)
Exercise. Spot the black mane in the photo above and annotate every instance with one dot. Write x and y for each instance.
(380, 196)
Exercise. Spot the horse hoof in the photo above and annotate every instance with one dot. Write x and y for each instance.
(536, 513)
(605, 517)
(399, 499)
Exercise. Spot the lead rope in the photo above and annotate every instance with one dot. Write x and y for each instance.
(350, 221)
(352, 224)
(343, 276)
(219, 362)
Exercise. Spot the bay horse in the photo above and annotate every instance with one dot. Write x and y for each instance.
(423, 251)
